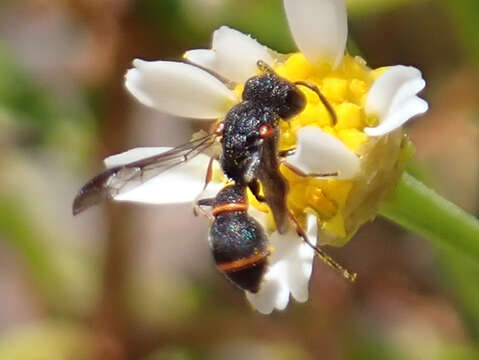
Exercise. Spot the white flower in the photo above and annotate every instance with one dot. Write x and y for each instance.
(319, 28)
(392, 98)
(289, 272)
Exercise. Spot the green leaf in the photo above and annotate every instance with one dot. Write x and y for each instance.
(423, 211)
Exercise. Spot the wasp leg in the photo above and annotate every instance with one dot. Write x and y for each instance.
(198, 207)
(301, 173)
(209, 201)
(285, 153)
(328, 260)
(254, 186)
(209, 172)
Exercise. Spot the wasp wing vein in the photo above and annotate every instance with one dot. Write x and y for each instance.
(123, 178)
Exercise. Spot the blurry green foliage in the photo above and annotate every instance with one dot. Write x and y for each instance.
(16, 228)
(166, 15)
(19, 94)
(174, 354)
(362, 348)
(46, 341)
(272, 30)
(65, 280)
(465, 16)
(461, 275)
(368, 7)
(180, 299)
(179, 18)
(370, 347)
(47, 118)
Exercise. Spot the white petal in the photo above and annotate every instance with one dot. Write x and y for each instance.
(321, 153)
(133, 155)
(392, 98)
(395, 82)
(319, 28)
(299, 274)
(397, 118)
(202, 57)
(179, 184)
(265, 300)
(289, 270)
(234, 55)
(179, 89)
(282, 296)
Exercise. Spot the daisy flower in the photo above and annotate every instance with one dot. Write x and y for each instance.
(366, 147)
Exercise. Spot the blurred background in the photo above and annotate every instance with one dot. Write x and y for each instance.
(125, 281)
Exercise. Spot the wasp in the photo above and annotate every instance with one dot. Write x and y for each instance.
(238, 242)
(249, 158)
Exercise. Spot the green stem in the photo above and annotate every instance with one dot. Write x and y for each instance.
(423, 211)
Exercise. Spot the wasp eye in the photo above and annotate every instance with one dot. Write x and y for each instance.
(266, 131)
(294, 104)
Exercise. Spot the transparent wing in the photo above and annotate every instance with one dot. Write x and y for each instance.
(126, 177)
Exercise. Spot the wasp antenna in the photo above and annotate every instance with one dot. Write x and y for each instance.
(323, 99)
(328, 260)
(230, 84)
(264, 67)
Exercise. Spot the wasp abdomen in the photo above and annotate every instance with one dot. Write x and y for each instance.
(240, 249)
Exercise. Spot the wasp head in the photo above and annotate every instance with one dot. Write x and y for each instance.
(278, 94)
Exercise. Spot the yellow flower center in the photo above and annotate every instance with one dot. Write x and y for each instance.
(341, 206)
(345, 88)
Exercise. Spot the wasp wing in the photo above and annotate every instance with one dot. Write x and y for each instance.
(126, 177)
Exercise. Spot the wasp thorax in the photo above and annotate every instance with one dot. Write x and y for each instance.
(276, 93)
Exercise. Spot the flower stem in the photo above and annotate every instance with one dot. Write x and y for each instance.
(423, 211)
